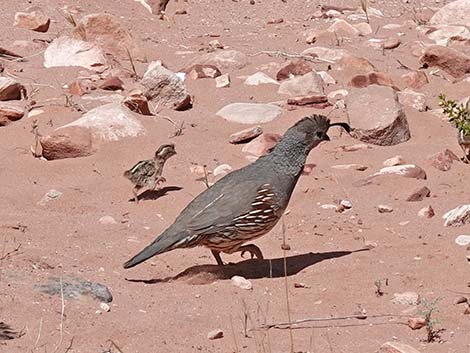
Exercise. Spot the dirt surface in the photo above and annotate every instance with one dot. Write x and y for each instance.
(171, 302)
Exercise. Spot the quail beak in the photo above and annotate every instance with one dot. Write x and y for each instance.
(345, 126)
(326, 138)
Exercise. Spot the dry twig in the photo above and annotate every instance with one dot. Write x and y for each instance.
(280, 54)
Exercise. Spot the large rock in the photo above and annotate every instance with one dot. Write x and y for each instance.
(294, 68)
(302, 85)
(66, 51)
(107, 32)
(444, 35)
(450, 60)
(262, 144)
(250, 113)
(396, 347)
(456, 13)
(328, 54)
(259, 78)
(376, 116)
(68, 142)
(34, 21)
(355, 65)
(163, 86)
(10, 111)
(410, 98)
(225, 59)
(10, 89)
(457, 216)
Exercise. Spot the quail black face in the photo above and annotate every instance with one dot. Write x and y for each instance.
(165, 151)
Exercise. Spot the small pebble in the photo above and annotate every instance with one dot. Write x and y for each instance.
(346, 204)
(107, 220)
(415, 323)
(215, 334)
(241, 282)
(105, 307)
(384, 209)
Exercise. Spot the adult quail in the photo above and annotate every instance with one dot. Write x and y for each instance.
(246, 203)
(148, 173)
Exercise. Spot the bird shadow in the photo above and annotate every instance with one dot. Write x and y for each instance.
(250, 269)
(156, 194)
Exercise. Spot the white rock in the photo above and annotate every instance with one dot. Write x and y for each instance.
(426, 212)
(406, 298)
(302, 85)
(50, 195)
(65, 51)
(222, 81)
(455, 13)
(338, 94)
(327, 78)
(391, 26)
(414, 99)
(457, 216)
(397, 160)
(359, 167)
(250, 113)
(364, 28)
(110, 122)
(259, 78)
(107, 220)
(215, 334)
(346, 204)
(331, 55)
(445, 34)
(241, 282)
(384, 209)
(406, 170)
(105, 307)
(328, 206)
(222, 169)
(463, 240)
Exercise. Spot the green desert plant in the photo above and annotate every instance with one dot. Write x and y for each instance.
(458, 113)
(427, 310)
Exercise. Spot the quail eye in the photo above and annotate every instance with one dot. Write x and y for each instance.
(319, 134)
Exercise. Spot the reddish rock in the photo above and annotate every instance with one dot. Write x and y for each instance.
(426, 212)
(246, 135)
(392, 43)
(371, 78)
(419, 194)
(449, 60)
(377, 116)
(112, 83)
(355, 65)
(415, 79)
(203, 71)
(11, 89)
(67, 142)
(396, 347)
(138, 103)
(8, 53)
(262, 144)
(443, 160)
(34, 21)
(308, 100)
(410, 98)
(275, 21)
(294, 68)
(10, 111)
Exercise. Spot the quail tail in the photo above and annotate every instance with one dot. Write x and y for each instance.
(165, 242)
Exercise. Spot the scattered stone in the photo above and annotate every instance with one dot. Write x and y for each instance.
(259, 78)
(275, 21)
(406, 170)
(443, 160)
(222, 81)
(457, 216)
(463, 240)
(384, 209)
(328, 54)
(327, 78)
(197, 71)
(107, 32)
(444, 35)
(363, 28)
(34, 21)
(74, 288)
(416, 100)
(225, 59)
(65, 51)
(215, 334)
(456, 12)
(112, 83)
(377, 116)
(163, 86)
(355, 65)
(105, 307)
(302, 85)
(262, 144)
(406, 298)
(371, 78)
(355, 148)
(397, 160)
(419, 194)
(343, 29)
(137, 103)
(222, 169)
(310, 100)
(396, 347)
(358, 167)
(415, 79)
(50, 195)
(346, 204)
(10, 111)
(215, 44)
(67, 143)
(426, 212)
(294, 68)
(106, 220)
(246, 135)
(391, 43)
(337, 95)
(241, 282)
(449, 60)
(250, 113)
(11, 89)
(311, 38)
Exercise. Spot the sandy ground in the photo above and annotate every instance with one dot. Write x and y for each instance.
(171, 302)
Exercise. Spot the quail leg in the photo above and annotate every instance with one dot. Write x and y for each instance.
(252, 249)
(136, 192)
(159, 180)
(217, 257)
(465, 154)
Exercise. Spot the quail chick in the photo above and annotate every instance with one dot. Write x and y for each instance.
(148, 173)
(246, 203)
(464, 142)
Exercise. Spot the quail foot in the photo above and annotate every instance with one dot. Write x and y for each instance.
(148, 173)
(246, 203)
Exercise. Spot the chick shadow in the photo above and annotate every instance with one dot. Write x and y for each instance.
(250, 269)
(157, 193)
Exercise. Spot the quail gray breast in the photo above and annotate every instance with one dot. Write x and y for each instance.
(246, 203)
